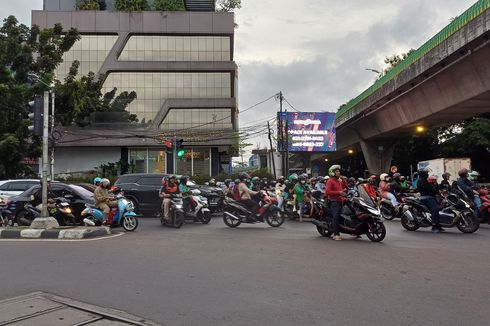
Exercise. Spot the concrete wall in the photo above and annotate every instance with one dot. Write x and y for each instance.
(79, 159)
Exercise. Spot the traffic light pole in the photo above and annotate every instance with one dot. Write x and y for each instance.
(174, 150)
(51, 123)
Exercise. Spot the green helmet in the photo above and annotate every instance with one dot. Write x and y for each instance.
(333, 168)
(293, 177)
(255, 179)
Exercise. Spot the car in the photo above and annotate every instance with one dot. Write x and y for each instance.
(77, 197)
(88, 186)
(142, 189)
(9, 188)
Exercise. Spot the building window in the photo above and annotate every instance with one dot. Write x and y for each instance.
(201, 162)
(153, 89)
(147, 160)
(91, 51)
(177, 48)
(198, 119)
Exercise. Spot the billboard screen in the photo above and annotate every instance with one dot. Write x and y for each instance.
(307, 131)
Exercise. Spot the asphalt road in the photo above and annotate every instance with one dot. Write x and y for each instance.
(257, 275)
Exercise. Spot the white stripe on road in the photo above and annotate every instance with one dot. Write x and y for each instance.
(63, 240)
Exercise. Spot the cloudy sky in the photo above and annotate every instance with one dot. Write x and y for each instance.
(315, 51)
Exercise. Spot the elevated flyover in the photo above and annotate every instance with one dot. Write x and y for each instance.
(445, 81)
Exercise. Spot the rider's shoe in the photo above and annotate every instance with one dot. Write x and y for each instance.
(435, 229)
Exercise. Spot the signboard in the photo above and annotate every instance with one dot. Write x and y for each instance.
(307, 131)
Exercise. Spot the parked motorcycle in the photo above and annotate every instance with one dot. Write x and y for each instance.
(61, 211)
(235, 213)
(456, 212)
(177, 214)
(360, 217)
(201, 212)
(6, 216)
(122, 216)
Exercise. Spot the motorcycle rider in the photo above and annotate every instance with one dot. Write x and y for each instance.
(97, 181)
(320, 184)
(428, 192)
(187, 200)
(103, 200)
(246, 194)
(169, 189)
(370, 187)
(404, 184)
(235, 193)
(299, 191)
(445, 181)
(280, 194)
(384, 189)
(351, 188)
(470, 188)
(335, 192)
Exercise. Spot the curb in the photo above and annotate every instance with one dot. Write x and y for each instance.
(64, 233)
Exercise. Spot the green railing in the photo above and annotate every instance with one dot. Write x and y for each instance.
(474, 11)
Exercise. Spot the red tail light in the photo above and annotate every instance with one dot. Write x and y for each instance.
(114, 188)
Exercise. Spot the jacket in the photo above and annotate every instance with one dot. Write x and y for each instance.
(245, 193)
(335, 189)
(101, 195)
(427, 189)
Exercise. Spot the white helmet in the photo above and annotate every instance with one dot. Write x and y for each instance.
(105, 182)
(383, 176)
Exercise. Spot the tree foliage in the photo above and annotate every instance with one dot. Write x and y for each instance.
(132, 5)
(228, 5)
(169, 5)
(24, 51)
(393, 60)
(91, 5)
(81, 101)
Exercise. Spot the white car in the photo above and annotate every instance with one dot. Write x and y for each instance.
(10, 188)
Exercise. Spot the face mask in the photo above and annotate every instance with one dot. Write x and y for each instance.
(303, 181)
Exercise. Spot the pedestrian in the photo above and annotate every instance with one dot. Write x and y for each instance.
(280, 192)
(299, 191)
(335, 191)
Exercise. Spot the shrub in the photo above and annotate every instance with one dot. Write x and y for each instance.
(88, 5)
(132, 5)
(169, 5)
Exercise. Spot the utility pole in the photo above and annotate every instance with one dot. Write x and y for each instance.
(52, 130)
(287, 146)
(174, 150)
(272, 153)
(281, 134)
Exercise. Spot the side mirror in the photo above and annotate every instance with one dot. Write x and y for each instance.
(69, 197)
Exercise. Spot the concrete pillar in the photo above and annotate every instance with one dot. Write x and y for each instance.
(378, 155)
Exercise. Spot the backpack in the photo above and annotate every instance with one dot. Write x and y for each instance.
(236, 193)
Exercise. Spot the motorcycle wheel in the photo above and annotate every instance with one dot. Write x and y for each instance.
(232, 223)
(22, 218)
(377, 231)
(325, 232)
(408, 224)
(387, 212)
(468, 223)
(275, 219)
(205, 217)
(129, 223)
(179, 219)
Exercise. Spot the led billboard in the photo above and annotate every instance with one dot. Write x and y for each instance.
(307, 131)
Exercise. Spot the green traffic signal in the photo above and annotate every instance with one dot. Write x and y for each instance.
(181, 153)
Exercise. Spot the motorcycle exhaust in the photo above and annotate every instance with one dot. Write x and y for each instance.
(319, 223)
(408, 213)
(232, 216)
(88, 222)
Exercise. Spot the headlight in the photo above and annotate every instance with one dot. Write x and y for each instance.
(179, 206)
(68, 210)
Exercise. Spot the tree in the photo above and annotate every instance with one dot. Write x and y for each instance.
(132, 5)
(229, 5)
(169, 5)
(24, 51)
(90, 4)
(393, 60)
(81, 101)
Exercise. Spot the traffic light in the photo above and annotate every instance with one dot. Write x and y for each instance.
(179, 147)
(169, 146)
(36, 116)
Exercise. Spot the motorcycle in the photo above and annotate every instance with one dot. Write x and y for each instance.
(122, 216)
(360, 217)
(456, 211)
(235, 213)
(485, 206)
(390, 212)
(201, 212)
(177, 214)
(61, 211)
(6, 216)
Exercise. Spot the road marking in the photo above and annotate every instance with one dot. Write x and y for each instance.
(63, 240)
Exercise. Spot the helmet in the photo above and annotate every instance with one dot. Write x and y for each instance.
(326, 178)
(463, 172)
(212, 182)
(305, 175)
(293, 177)
(227, 181)
(423, 173)
(105, 182)
(243, 176)
(383, 176)
(255, 179)
(280, 179)
(237, 181)
(402, 178)
(164, 180)
(301, 177)
(473, 175)
(396, 176)
(172, 177)
(352, 180)
(432, 179)
(446, 175)
(183, 179)
(333, 168)
(264, 179)
(97, 181)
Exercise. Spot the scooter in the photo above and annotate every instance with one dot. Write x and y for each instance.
(201, 212)
(235, 213)
(456, 212)
(122, 216)
(485, 206)
(177, 214)
(61, 211)
(361, 216)
(6, 216)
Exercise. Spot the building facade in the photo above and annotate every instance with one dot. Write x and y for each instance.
(180, 64)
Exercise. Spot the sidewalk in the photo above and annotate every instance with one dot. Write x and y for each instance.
(40, 308)
(58, 233)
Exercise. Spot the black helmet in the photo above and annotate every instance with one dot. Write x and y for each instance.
(302, 177)
(446, 175)
(423, 173)
(243, 176)
(396, 176)
(172, 177)
(183, 179)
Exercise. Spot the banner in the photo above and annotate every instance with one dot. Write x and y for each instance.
(307, 131)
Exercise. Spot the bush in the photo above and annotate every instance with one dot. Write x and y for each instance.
(169, 5)
(90, 4)
(132, 5)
